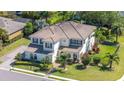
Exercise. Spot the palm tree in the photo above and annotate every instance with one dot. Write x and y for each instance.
(112, 58)
(45, 62)
(117, 31)
(85, 60)
(45, 14)
(63, 59)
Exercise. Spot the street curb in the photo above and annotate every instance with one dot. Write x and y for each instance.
(121, 79)
(42, 74)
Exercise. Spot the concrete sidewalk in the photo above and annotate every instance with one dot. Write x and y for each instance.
(42, 74)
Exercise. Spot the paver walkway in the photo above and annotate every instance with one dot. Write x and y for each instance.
(9, 58)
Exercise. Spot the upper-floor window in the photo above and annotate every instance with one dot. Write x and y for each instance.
(35, 40)
(48, 45)
(75, 42)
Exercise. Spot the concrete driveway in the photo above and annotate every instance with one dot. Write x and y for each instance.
(9, 58)
(16, 76)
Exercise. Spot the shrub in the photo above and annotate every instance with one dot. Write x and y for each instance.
(86, 60)
(27, 63)
(43, 66)
(18, 57)
(80, 66)
(96, 60)
(104, 64)
(70, 61)
(61, 70)
(102, 38)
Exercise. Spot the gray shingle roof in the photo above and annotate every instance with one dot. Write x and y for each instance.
(64, 30)
(10, 25)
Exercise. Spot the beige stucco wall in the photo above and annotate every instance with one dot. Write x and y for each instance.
(15, 34)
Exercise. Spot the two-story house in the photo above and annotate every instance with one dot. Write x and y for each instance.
(71, 37)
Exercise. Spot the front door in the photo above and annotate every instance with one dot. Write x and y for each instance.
(74, 56)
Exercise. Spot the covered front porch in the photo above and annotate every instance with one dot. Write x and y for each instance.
(72, 50)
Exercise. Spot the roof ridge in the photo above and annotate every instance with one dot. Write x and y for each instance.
(75, 29)
(51, 30)
(63, 31)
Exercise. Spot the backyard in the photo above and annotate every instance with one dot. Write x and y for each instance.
(9, 48)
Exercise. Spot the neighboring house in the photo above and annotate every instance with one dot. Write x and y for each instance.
(13, 28)
(71, 37)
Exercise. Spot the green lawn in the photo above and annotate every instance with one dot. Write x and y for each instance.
(26, 65)
(14, 45)
(105, 49)
(93, 72)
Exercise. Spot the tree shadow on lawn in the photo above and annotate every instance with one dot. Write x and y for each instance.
(109, 43)
(101, 68)
(80, 67)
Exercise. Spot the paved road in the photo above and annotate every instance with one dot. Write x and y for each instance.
(15, 76)
(9, 58)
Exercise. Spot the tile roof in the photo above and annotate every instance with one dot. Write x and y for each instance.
(44, 34)
(69, 30)
(70, 49)
(64, 30)
(10, 25)
(37, 49)
(83, 29)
